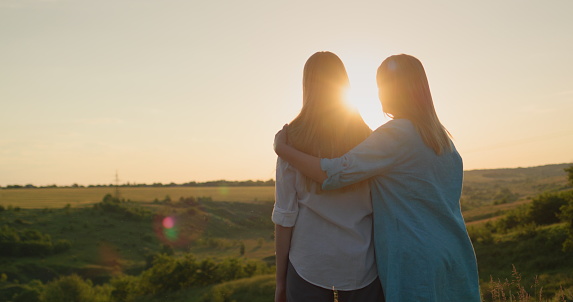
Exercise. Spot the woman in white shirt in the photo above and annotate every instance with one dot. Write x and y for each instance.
(324, 238)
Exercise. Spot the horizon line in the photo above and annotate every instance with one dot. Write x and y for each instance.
(207, 183)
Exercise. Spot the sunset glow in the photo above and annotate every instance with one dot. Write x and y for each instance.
(195, 91)
(364, 98)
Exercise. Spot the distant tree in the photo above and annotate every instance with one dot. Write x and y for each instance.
(570, 174)
(242, 249)
(167, 250)
(504, 195)
(545, 208)
(566, 215)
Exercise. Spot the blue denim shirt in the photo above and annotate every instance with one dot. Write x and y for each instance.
(423, 251)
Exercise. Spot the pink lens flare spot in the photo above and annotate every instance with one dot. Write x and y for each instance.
(168, 222)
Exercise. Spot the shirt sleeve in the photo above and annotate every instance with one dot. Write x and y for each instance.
(285, 210)
(374, 156)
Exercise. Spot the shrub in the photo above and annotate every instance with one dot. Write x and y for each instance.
(35, 248)
(125, 288)
(527, 231)
(171, 274)
(504, 195)
(566, 215)
(9, 240)
(188, 201)
(545, 208)
(255, 289)
(512, 219)
(30, 292)
(569, 174)
(168, 274)
(28, 243)
(481, 235)
(69, 289)
(111, 204)
(62, 245)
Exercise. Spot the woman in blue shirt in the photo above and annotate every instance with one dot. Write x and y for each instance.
(423, 251)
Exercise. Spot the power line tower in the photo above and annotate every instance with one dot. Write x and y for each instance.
(117, 195)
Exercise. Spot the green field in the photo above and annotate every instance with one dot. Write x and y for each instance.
(59, 197)
(221, 223)
(107, 244)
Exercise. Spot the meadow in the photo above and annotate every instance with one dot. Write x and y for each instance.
(217, 243)
(59, 197)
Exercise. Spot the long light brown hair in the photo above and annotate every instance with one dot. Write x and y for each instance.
(405, 93)
(326, 127)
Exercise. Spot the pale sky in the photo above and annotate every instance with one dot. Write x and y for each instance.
(178, 91)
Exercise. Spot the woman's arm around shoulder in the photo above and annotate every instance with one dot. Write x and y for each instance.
(375, 156)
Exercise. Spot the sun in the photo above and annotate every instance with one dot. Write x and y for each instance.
(363, 95)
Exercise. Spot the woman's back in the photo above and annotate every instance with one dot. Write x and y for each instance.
(424, 237)
(331, 242)
(423, 251)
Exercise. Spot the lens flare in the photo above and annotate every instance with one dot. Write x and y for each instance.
(171, 234)
(109, 256)
(170, 231)
(179, 229)
(168, 222)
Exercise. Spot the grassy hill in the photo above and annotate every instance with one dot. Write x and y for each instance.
(501, 186)
(110, 239)
(122, 238)
(105, 243)
(488, 194)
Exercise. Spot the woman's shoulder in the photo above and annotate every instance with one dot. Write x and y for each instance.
(398, 123)
(400, 128)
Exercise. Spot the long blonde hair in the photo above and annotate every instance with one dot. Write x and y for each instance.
(405, 93)
(325, 127)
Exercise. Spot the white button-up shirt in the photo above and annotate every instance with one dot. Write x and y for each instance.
(331, 243)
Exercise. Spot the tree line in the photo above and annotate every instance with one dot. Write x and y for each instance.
(214, 183)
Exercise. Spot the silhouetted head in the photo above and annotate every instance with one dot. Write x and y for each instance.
(326, 126)
(324, 81)
(405, 93)
(403, 88)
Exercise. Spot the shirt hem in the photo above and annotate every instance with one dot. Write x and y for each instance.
(332, 287)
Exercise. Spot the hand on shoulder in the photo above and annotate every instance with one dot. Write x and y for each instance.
(281, 139)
